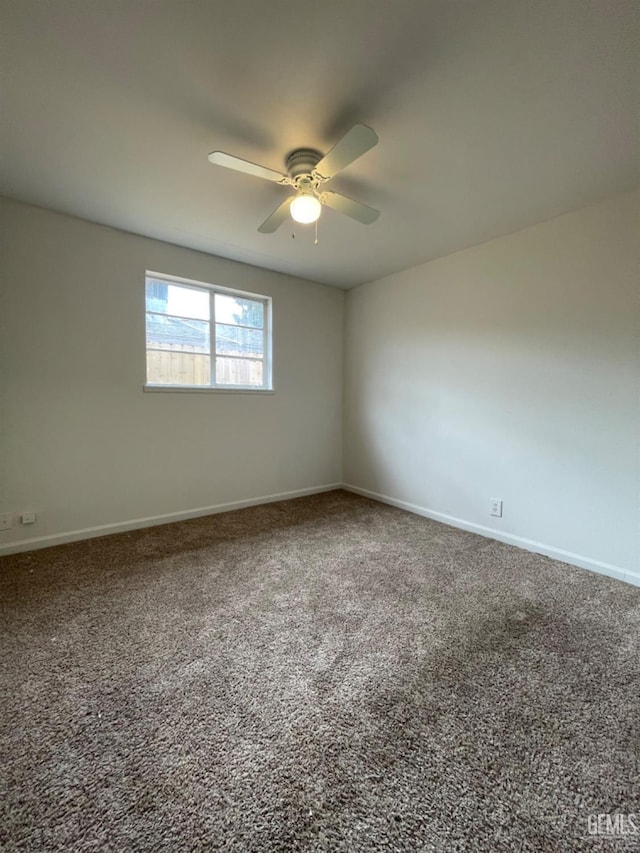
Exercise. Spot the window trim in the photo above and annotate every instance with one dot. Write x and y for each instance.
(267, 360)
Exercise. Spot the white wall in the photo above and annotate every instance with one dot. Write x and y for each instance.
(509, 370)
(84, 446)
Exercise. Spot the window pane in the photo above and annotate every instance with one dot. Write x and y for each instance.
(234, 340)
(177, 333)
(239, 312)
(177, 299)
(238, 371)
(156, 291)
(178, 368)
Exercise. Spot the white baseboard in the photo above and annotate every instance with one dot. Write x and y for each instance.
(509, 538)
(153, 520)
(489, 532)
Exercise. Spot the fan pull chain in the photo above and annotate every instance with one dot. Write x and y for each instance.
(293, 229)
(315, 242)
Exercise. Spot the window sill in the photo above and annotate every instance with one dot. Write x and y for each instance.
(199, 389)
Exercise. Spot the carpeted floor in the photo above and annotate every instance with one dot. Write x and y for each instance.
(324, 674)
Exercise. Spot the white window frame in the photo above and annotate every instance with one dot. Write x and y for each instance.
(212, 289)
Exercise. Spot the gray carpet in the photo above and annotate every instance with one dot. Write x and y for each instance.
(324, 674)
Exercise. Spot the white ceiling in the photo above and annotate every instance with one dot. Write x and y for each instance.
(492, 115)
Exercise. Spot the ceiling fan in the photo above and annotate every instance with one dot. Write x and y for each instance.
(307, 170)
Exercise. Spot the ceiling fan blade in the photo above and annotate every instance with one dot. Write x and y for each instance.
(353, 144)
(219, 158)
(273, 222)
(355, 209)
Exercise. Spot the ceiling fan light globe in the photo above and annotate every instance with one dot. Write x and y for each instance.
(305, 209)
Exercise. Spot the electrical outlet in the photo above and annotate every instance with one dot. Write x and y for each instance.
(495, 507)
(28, 517)
(6, 520)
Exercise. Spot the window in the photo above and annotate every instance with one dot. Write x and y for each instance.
(204, 336)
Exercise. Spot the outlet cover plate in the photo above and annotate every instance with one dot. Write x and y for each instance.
(6, 520)
(495, 507)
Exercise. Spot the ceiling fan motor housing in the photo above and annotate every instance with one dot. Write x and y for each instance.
(302, 162)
